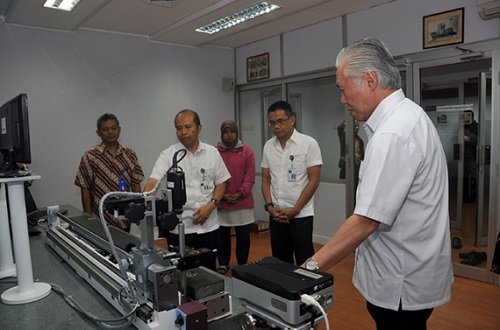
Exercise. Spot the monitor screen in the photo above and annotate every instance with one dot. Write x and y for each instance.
(14, 136)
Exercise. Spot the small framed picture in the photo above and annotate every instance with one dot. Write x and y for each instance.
(446, 28)
(258, 67)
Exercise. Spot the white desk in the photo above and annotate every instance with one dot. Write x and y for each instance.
(26, 290)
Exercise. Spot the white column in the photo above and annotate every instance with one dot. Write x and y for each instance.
(26, 290)
(7, 266)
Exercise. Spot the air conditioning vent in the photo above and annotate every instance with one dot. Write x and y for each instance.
(165, 3)
(488, 9)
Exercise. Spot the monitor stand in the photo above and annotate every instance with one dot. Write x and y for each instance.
(26, 290)
(7, 266)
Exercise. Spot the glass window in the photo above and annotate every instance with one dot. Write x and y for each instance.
(457, 97)
(253, 105)
(319, 111)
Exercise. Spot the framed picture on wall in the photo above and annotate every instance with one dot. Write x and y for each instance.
(446, 28)
(258, 67)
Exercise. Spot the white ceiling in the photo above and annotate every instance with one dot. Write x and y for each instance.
(175, 21)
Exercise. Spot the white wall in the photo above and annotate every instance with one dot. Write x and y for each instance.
(73, 78)
(311, 48)
(399, 24)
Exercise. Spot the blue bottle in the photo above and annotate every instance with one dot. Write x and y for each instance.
(122, 183)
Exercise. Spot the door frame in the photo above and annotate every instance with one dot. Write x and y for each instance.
(481, 274)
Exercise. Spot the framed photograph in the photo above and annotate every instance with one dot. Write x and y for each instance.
(446, 28)
(258, 67)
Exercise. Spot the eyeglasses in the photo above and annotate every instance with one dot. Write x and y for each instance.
(278, 122)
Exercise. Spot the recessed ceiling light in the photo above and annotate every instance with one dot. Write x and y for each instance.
(166, 3)
(238, 17)
(66, 5)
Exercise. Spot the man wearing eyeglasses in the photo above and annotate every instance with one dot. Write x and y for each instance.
(291, 168)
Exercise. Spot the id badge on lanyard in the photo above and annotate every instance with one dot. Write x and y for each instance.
(206, 185)
(292, 171)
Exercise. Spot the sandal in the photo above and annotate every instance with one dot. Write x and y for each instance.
(222, 269)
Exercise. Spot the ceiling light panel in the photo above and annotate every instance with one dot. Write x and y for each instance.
(239, 17)
(66, 5)
(166, 3)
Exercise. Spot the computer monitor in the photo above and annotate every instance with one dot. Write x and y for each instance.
(14, 136)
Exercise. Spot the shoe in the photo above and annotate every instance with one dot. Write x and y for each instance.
(222, 269)
(456, 242)
(464, 255)
(482, 255)
(472, 259)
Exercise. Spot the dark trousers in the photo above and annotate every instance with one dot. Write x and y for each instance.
(198, 241)
(242, 244)
(293, 238)
(387, 319)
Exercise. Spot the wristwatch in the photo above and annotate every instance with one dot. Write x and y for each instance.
(215, 201)
(312, 264)
(267, 205)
